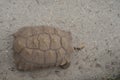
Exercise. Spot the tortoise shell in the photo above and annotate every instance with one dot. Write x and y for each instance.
(41, 47)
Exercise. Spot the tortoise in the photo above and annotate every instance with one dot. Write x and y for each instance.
(42, 47)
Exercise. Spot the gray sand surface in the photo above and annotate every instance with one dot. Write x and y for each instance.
(93, 23)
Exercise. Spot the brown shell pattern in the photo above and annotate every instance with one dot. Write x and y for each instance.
(36, 47)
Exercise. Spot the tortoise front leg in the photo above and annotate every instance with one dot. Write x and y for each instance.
(65, 64)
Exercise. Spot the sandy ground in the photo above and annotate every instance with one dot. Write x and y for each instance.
(93, 23)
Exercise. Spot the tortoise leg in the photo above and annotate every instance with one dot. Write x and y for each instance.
(66, 65)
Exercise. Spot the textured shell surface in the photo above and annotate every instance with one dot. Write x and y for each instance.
(39, 47)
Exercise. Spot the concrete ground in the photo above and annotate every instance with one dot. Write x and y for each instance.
(93, 23)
